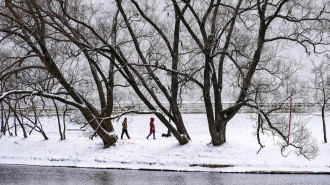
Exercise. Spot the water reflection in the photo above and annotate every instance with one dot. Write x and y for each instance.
(34, 175)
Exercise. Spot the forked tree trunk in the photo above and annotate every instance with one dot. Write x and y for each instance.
(218, 133)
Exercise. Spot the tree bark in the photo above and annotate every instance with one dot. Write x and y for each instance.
(324, 125)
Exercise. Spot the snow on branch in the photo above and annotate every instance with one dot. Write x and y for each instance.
(41, 94)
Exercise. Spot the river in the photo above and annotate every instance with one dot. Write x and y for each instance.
(39, 175)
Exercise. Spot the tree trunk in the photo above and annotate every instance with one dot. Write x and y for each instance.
(182, 137)
(15, 126)
(324, 125)
(58, 121)
(6, 122)
(64, 124)
(19, 120)
(101, 130)
(218, 133)
(2, 124)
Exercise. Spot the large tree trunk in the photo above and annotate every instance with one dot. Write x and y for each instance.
(180, 133)
(218, 132)
(103, 131)
(217, 127)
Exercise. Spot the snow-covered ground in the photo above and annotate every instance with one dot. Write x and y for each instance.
(163, 153)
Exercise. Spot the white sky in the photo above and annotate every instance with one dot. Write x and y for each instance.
(163, 153)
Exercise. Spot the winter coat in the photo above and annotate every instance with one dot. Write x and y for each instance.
(124, 124)
(152, 127)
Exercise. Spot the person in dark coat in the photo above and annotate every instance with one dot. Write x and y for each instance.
(124, 124)
(152, 128)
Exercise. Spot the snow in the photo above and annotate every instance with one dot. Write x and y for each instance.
(238, 154)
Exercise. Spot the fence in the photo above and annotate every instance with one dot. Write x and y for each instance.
(192, 108)
(185, 108)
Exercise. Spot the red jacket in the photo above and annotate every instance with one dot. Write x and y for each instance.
(152, 127)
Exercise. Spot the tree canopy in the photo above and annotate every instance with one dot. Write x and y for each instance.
(147, 57)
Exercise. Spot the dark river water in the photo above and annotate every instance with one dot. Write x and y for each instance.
(38, 175)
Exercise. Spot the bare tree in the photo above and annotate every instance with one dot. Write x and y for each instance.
(139, 66)
(24, 25)
(219, 47)
(21, 107)
(273, 108)
(153, 61)
(321, 83)
(250, 38)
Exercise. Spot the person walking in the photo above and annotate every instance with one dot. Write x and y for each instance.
(152, 128)
(124, 124)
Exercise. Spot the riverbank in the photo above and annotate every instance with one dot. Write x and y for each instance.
(238, 155)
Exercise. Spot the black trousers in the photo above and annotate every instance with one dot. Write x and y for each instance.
(122, 133)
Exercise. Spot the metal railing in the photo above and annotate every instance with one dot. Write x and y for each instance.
(185, 108)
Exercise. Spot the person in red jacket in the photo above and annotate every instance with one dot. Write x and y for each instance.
(152, 128)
